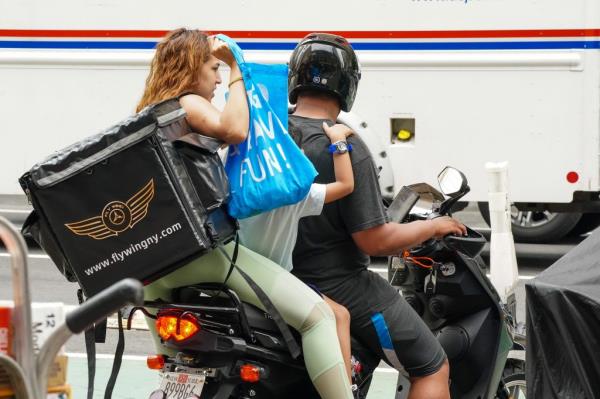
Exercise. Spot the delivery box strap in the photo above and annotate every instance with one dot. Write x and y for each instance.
(118, 359)
(289, 339)
(90, 347)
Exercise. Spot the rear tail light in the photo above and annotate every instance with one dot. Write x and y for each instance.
(177, 327)
(156, 362)
(250, 373)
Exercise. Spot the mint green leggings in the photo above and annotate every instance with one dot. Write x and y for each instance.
(299, 306)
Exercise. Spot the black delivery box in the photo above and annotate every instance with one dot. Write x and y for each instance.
(137, 200)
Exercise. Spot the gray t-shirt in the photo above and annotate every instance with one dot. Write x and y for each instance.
(325, 253)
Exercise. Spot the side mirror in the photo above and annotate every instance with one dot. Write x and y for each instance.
(452, 181)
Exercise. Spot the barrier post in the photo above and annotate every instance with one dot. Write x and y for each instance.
(503, 258)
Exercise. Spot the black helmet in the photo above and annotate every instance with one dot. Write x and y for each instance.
(324, 62)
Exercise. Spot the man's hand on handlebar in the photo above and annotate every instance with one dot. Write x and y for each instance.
(445, 225)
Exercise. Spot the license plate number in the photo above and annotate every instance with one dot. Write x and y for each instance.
(181, 385)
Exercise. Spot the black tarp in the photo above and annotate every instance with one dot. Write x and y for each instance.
(563, 326)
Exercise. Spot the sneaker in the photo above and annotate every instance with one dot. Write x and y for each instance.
(355, 392)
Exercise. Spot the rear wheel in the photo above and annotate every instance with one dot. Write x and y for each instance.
(536, 226)
(516, 386)
(513, 384)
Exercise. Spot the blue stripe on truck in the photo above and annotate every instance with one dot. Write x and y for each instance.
(149, 45)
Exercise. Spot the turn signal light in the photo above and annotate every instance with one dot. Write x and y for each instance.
(167, 327)
(156, 362)
(250, 373)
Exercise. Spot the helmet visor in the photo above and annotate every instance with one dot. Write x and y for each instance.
(327, 60)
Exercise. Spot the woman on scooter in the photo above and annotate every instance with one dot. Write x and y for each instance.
(186, 64)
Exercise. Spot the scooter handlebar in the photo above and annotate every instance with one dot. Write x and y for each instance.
(105, 303)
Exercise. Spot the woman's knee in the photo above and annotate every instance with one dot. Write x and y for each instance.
(320, 312)
(342, 315)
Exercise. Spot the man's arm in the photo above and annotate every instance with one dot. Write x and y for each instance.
(392, 238)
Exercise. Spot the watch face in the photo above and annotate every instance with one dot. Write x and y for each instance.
(342, 147)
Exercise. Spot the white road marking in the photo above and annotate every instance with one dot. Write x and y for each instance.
(138, 322)
(381, 270)
(106, 356)
(23, 211)
(32, 256)
(374, 269)
(386, 369)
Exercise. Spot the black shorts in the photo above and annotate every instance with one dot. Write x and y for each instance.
(383, 321)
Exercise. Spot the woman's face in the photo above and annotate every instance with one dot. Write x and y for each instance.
(209, 77)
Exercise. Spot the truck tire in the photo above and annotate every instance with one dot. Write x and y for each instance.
(541, 227)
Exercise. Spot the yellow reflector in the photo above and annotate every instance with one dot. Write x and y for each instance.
(404, 135)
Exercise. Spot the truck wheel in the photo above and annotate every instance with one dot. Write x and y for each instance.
(536, 226)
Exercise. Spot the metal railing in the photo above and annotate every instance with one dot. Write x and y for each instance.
(28, 373)
(22, 370)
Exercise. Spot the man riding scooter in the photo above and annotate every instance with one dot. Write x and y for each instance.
(333, 249)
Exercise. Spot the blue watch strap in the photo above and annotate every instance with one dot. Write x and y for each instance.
(333, 148)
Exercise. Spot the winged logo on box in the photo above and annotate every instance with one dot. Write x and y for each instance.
(116, 216)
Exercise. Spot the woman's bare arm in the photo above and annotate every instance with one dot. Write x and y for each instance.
(342, 165)
(230, 125)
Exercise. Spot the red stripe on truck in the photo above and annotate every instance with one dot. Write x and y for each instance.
(428, 34)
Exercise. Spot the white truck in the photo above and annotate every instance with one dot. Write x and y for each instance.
(445, 82)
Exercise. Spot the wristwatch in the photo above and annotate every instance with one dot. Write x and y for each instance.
(340, 147)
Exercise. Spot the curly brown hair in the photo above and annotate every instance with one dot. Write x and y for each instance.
(174, 68)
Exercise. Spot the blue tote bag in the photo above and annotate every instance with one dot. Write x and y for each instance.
(267, 170)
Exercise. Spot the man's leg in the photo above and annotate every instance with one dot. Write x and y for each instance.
(383, 321)
(403, 341)
(432, 386)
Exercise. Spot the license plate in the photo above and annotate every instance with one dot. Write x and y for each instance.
(181, 385)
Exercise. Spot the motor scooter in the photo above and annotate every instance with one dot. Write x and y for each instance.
(216, 346)
(445, 282)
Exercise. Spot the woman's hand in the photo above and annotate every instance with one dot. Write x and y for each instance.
(337, 132)
(221, 50)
